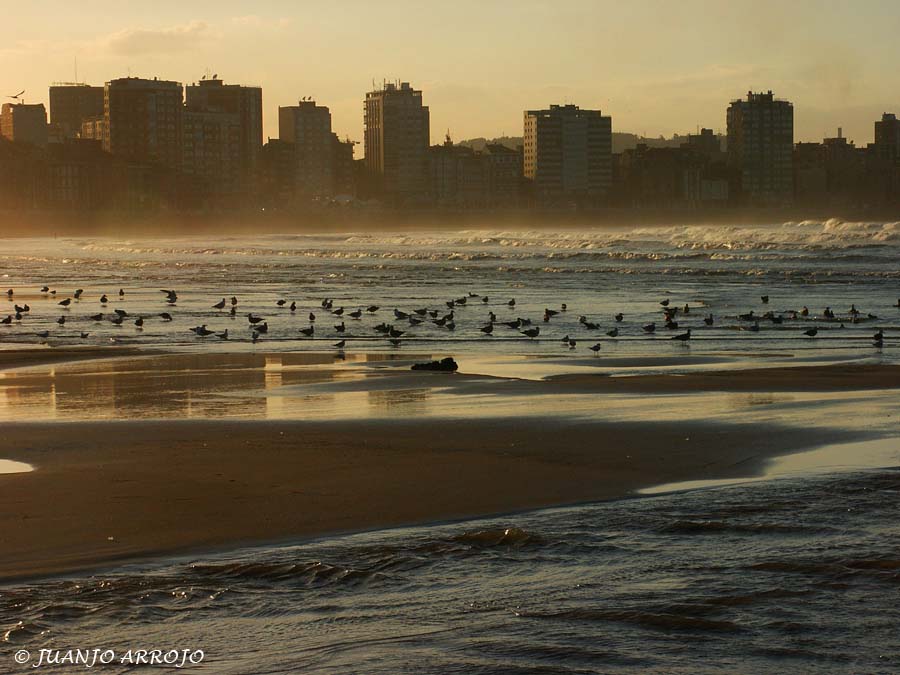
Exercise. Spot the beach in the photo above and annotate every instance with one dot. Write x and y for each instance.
(109, 490)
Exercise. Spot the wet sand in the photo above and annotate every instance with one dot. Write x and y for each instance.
(107, 491)
(111, 490)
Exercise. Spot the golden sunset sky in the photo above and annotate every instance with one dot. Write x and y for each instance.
(657, 67)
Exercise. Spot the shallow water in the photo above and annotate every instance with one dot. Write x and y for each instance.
(786, 576)
(718, 270)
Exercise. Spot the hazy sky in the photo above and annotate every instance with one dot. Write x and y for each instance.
(658, 67)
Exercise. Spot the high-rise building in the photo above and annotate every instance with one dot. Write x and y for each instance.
(397, 132)
(143, 120)
(24, 123)
(887, 138)
(568, 154)
(212, 94)
(72, 104)
(760, 147)
(211, 152)
(307, 127)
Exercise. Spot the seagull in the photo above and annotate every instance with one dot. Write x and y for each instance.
(281, 303)
(233, 301)
(117, 320)
(664, 303)
(684, 337)
(103, 299)
(395, 341)
(879, 335)
(308, 332)
(220, 304)
(394, 333)
(78, 293)
(371, 309)
(223, 336)
(595, 348)
(619, 317)
(203, 331)
(61, 320)
(340, 345)
(572, 344)
(254, 319)
(487, 330)
(613, 333)
(356, 314)
(262, 327)
(400, 315)
(8, 320)
(96, 317)
(708, 320)
(165, 316)
(512, 302)
(531, 332)
(338, 311)
(121, 312)
(765, 299)
(45, 289)
(121, 292)
(43, 334)
(340, 327)
(84, 336)
(811, 332)
(293, 306)
(65, 303)
(650, 327)
(17, 96)
(139, 322)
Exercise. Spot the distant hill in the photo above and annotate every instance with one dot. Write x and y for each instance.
(620, 141)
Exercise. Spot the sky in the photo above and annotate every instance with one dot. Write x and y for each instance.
(657, 67)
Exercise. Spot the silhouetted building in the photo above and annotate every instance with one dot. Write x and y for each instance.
(760, 146)
(397, 132)
(72, 104)
(458, 176)
(504, 174)
(344, 167)
(706, 143)
(211, 156)
(143, 121)
(887, 138)
(244, 102)
(568, 154)
(24, 123)
(307, 127)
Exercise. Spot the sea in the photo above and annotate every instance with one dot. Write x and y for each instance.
(792, 573)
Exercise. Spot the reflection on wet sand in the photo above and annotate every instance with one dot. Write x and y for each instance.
(193, 386)
(333, 386)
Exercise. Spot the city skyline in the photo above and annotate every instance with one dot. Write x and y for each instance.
(675, 82)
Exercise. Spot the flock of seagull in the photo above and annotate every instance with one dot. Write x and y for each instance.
(443, 317)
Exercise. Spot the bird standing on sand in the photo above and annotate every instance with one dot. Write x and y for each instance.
(65, 303)
(619, 317)
(650, 327)
(812, 332)
(531, 332)
(308, 332)
(61, 320)
(220, 304)
(595, 348)
(684, 337)
(613, 333)
(78, 293)
(340, 345)
(103, 299)
(312, 317)
(165, 316)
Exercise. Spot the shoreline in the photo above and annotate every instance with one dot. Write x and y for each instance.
(107, 491)
(173, 491)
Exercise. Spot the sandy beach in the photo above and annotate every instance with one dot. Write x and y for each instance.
(111, 490)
